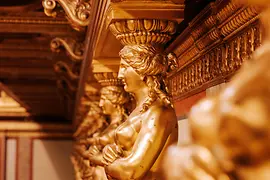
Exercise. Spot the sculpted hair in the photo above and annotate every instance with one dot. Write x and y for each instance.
(152, 65)
(117, 96)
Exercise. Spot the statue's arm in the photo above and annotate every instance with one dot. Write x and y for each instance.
(107, 138)
(149, 143)
(97, 159)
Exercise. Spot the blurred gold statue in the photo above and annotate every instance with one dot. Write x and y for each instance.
(90, 127)
(112, 101)
(231, 132)
(142, 138)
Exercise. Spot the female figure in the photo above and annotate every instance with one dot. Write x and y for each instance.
(112, 101)
(141, 139)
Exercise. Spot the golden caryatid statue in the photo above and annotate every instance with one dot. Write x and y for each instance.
(141, 139)
(113, 102)
(91, 126)
(231, 131)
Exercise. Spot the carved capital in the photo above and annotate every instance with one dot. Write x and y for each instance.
(143, 31)
(74, 49)
(138, 9)
(78, 12)
(108, 79)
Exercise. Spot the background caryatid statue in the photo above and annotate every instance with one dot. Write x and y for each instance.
(151, 126)
(114, 101)
(231, 131)
(92, 125)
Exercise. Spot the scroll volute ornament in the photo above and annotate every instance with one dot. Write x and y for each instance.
(77, 11)
(74, 49)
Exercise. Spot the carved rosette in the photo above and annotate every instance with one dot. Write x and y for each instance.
(78, 12)
(73, 48)
(143, 31)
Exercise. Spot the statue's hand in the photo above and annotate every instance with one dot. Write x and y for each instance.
(111, 153)
(93, 150)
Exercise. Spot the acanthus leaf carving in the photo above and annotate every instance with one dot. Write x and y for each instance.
(143, 31)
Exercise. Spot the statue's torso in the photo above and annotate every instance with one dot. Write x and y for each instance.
(127, 133)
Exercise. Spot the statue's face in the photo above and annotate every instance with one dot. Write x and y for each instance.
(106, 105)
(131, 80)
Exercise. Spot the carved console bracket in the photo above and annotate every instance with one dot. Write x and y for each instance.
(68, 72)
(73, 48)
(77, 12)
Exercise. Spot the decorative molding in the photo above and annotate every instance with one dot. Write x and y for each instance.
(204, 32)
(31, 20)
(78, 12)
(237, 20)
(213, 46)
(74, 49)
(130, 9)
(217, 64)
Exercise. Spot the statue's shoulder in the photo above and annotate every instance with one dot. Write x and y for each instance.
(162, 113)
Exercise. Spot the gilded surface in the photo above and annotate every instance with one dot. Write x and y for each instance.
(113, 101)
(151, 126)
(94, 133)
(78, 12)
(143, 31)
(74, 49)
(230, 131)
(214, 46)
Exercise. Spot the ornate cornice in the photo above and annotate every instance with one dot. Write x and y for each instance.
(74, 49)
(78, 12)
(223, 33)
(217, 64)
(243, 16)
